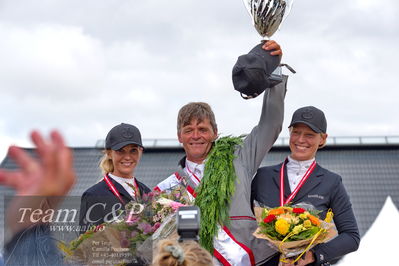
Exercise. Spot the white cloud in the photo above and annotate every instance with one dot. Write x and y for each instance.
(50, 61)
(84, 67)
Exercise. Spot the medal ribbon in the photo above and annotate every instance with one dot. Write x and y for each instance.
(298, 187)
(116, 192)
(198, 180)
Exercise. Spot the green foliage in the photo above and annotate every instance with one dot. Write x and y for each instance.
(305, 234)
(76, 242)
(269, 230)
(216, 189)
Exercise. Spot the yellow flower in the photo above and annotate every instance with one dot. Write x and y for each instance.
(303, 216)
(289, 209)
(297, 229)
(282, 226)
(307, 223)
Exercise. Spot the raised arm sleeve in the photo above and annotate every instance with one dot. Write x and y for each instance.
(262, 136)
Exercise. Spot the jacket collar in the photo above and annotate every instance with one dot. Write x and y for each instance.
(120, 189)
(313, 180)
(182, 162)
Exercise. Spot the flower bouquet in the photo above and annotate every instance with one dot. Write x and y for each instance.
(293, 230)
(164, 216)
(127, 239)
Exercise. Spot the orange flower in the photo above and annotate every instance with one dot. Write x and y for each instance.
(276, 211)
(314, 220)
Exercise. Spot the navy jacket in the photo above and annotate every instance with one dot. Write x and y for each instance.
(106, 202)
(323, 189)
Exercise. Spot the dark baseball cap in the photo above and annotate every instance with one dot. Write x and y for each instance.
(312, 117)
(121, 135)
(252, 71)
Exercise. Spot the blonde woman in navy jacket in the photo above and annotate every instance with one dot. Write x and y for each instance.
(100, 203)
(313, 184)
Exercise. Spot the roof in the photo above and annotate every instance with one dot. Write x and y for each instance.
(370, 172)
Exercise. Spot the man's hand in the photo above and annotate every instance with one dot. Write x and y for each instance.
(272, 45)
(307, 258)
(51, 175)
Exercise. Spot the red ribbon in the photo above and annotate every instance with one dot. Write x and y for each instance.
(298, 187)
(188, 169)
(116, 192)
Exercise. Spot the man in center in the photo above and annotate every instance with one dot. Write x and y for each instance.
(232, 242)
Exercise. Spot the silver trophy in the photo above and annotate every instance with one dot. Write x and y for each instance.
(258, 70)
(267, 15)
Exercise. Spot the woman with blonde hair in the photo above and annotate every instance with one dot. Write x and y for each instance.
(187, 253)
(101, 202)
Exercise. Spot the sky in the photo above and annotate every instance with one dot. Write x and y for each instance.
(83, 67)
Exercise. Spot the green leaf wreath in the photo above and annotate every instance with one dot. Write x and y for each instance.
(216, 189)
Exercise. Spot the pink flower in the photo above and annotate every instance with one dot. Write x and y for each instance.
(133, 234)
(145, 227)
(152, 194)
(145, 197)
(175, 205)
(132, 219)
(156, 226)
(124, 243)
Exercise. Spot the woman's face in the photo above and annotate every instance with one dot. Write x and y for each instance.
(304, 142)
(125, 160)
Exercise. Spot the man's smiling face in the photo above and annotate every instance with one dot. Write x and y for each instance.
(197, 138)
